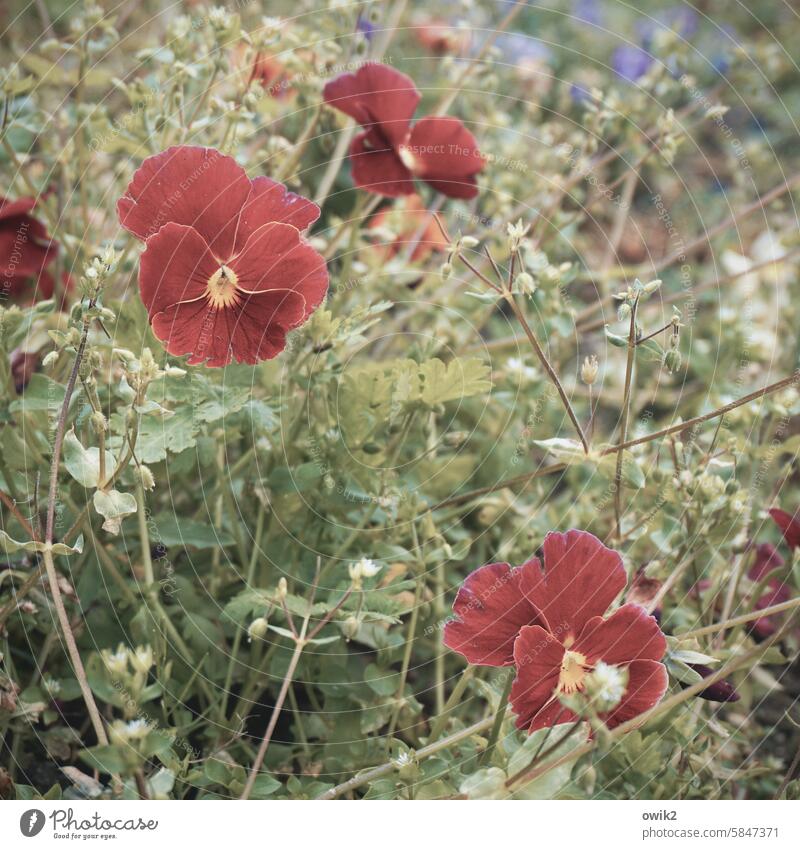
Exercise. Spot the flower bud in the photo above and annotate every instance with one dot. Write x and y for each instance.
(672, 360)
(350, 627)
(50, 360)
(589, 370)
(446, 270)
(624, 312)
(145, 477)
(99, 423)
(525, 284)
(283, 589)
(258, 628)
(142, 658)
(720, 691)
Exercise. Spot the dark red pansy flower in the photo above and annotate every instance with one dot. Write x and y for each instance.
(547, 619)
(26, 250)
(390, 154)
(768, 560)
(789, 525)
(226, 272)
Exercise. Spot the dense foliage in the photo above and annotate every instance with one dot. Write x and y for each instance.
(590, 324)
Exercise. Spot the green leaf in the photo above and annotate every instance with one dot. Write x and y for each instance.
(283, 481)
(108, 759)
(84, 463)
(264, 786)
(566, 450)
(40, 395)
(113, 506)
(460, 378)
(10, 546)
(173, 530)
(689, 656)
(157, 435)
(489, 783)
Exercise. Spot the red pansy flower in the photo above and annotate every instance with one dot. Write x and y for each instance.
(26, 250)
(413, 222)
(548, 621)
(768, 562)
(226, 272)
(390, 154)
(789, 525)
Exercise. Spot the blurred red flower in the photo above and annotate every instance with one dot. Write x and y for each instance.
(390, 154)
(412, 222)
(226, 272)
(26, 250)
(440, 37)
(789, 525)
(548, 621)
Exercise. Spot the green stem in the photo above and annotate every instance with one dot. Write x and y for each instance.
(626, 405)
(499, 718)
(452, 701)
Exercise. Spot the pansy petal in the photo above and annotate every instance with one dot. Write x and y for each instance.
(276, 257)
(195, 186)
(175, 266)
(188, 327)
(271, 201)
(581, 579)
(537, 655)
(252, 330)
(378, 97)
(630, 633)
(377, 168)
(444, 153)
(14, 208)
(789, 525)
(490, 611)
(647, 683)
(21, 256)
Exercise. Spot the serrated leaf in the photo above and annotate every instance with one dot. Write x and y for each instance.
(460, 378)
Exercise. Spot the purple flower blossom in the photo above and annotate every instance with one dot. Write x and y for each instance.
(631, 62)
(680, 19)
(588, 11)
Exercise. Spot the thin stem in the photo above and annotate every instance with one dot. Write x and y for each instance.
(676, 428)
(540, 756)
(745, 399)
(412, 628)
(8, 501)
(667, 326)
(626, 407)
(49, 563)
(452, 701)
(741, 620)
(498, 719)
(299, 645)
(425, 752)
(537, 348)
(237, 640)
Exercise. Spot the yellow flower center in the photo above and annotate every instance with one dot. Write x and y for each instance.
(573, 671)
(221, 288)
